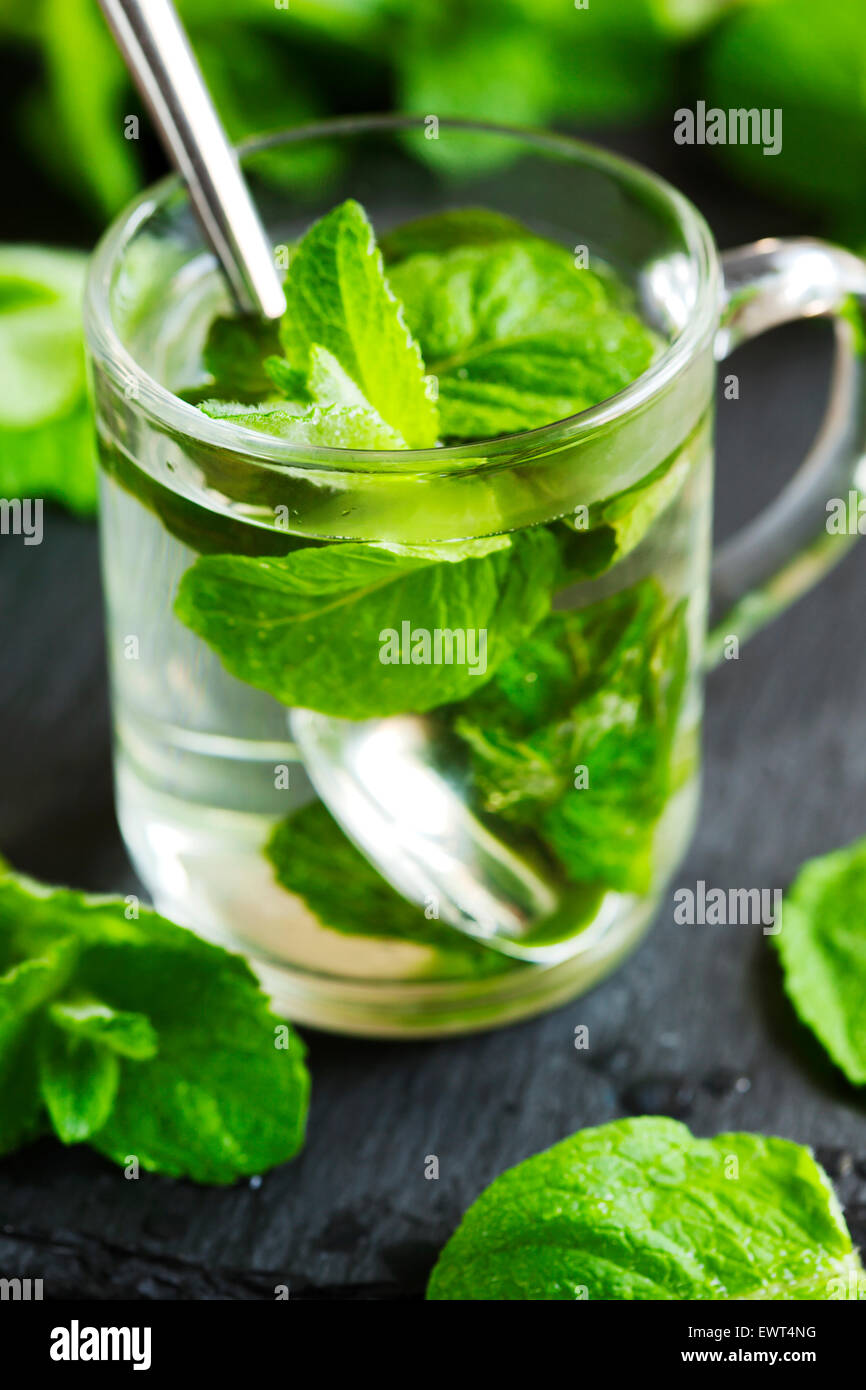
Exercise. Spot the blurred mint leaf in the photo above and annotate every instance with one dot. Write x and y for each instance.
(782, 56)
(822, 947)
(487, 65)
(641, 1209)
(308, 628)
(338, 298)
(258, 85)
(209, 1085)
(46, 433)
(685, 18)
(80, 129)
(55, 461)
(41, 352)
(312, 857)
(516, 335)
(611, 63)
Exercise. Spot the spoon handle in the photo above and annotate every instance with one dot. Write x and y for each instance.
(155, 47)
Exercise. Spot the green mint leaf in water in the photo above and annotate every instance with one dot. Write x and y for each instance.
(339, 299)
(350, 630)
(597, 690)
(140, 1038)
(615, 527)
(517, 336)
(312, 858)
(235, 356)
(46, 433)
(641, 1209)
(822, 947)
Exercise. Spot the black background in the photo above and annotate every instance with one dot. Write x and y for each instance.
(695, 1025)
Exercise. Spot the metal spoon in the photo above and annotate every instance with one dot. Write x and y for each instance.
(394, 790)
(384, 781)
(156, 50)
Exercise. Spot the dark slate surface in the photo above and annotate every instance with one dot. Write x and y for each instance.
(695, 1024)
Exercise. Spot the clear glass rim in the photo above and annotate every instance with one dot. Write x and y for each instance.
(177, 416)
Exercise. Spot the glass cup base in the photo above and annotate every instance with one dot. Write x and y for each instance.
(428, 1009)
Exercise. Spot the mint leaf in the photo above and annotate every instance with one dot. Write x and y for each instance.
(129, 1034)
(597, 688)
(463, 301)
(25, 985)
(313, 858)
(443, 231)
(79, 129)
(326, 384)
(55, 461)
(780, 59)
(234, 354)
(487, 61)
(822, 947)
(338, 298)
(78, 1080)
(46, 434)
(640, 1209)
(311, 628)
(623, 734)
(514, 776)
(616, 526)
(517, 336)
(289, 380)
(329, 384)
(256, 86)
(332, 426)
(204, 1092)
(22, 1113)
(617, 68)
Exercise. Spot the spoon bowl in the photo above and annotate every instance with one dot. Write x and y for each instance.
(395, 789)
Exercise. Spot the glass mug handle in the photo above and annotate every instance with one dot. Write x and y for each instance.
(787, 548)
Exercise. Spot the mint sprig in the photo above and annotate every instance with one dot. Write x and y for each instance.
(339, 299)
(513, 331)
(139, 1038)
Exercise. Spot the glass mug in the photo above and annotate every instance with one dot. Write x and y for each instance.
(206, 766)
